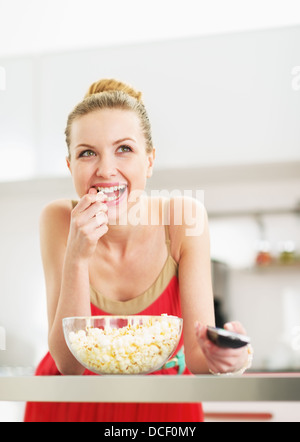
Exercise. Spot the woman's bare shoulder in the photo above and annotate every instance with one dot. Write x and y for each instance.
(57, 208)
(55, 217)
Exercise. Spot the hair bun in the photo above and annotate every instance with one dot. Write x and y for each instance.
(111, 85)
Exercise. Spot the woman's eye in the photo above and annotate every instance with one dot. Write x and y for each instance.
(87, 153)
(124, 149)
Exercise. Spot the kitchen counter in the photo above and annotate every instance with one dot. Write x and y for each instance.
(248, 388)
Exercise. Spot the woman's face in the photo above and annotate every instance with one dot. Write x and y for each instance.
(108, 153)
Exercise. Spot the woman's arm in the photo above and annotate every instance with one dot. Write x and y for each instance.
(197, 297)
(195, 280)
(68, 239)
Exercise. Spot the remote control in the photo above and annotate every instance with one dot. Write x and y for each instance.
(226, 339)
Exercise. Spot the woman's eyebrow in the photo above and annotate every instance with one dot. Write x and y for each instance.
(114, 143)
(84, 145)
(124, 139)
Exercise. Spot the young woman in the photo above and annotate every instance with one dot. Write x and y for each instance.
(99, 264)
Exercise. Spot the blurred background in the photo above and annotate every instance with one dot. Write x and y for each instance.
(221, 81)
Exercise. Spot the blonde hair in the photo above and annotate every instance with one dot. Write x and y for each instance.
(111, 94)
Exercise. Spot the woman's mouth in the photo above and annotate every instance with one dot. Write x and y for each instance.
(113, 193)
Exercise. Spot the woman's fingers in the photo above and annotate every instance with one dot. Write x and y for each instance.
(90, 212)
(89, 222)
(88, 200)
(235, 327)
(221, 360)
(101, 218)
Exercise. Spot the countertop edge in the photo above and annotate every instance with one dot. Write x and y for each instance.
(151, 389)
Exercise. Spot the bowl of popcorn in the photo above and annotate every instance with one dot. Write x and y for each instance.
(123, 344)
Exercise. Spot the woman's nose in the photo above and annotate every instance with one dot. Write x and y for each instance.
(106, 167)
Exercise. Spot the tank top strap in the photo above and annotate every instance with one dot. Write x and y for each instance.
(167, 239)
(166, 221)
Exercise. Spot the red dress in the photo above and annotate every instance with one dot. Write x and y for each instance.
(162, 297)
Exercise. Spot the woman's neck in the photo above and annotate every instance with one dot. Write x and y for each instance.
(130, 230)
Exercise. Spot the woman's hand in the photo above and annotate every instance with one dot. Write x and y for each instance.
(221, 360)
(89, 222)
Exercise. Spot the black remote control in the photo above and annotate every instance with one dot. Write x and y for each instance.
(226, 339)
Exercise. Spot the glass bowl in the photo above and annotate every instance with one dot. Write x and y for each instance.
(123, 344)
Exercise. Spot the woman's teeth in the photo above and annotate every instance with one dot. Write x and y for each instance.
(112, 190)
(111, 198)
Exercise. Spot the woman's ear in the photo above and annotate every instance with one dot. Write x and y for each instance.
(151, 159)
(68, 163)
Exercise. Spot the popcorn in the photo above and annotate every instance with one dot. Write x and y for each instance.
(134, 349)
